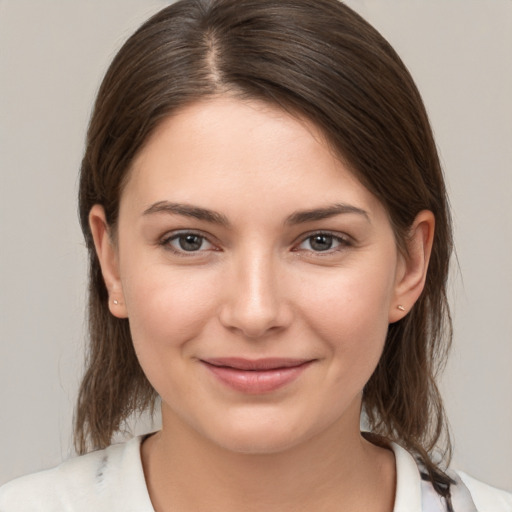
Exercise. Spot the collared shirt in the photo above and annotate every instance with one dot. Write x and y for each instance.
(112, 480)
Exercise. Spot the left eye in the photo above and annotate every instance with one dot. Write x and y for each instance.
(321, 242)
(188, 242)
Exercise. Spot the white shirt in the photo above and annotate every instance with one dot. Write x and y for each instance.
(112, 480)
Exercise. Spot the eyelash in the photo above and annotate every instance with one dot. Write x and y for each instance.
(166, 243)
(343, 242)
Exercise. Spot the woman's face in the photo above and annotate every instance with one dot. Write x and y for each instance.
(258, 275)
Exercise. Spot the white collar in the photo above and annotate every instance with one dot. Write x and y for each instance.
(408, 496)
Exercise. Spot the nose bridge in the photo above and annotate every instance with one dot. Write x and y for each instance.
(255, 303)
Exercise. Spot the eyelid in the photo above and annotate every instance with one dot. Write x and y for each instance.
(344, 239)
(165, 240)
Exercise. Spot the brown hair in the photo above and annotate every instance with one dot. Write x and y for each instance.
(319, 60)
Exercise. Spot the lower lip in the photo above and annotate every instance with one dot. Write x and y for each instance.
(257, 381)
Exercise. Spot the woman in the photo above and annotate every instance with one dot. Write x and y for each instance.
(269, 241)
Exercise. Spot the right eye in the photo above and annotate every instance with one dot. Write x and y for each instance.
(187, 242)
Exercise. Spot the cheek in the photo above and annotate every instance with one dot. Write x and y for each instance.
(166, 306)
(167, 309)
(349, 311)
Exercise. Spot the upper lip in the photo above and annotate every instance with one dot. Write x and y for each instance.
(268, 363)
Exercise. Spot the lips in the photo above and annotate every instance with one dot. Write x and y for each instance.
(256, 376)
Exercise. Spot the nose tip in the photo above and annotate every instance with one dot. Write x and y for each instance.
(255, 305)
(252, 319)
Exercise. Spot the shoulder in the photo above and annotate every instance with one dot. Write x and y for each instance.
(486, 497)
(97, 481)
(415, 493)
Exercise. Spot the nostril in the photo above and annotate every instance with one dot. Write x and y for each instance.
(253, 302)
(253, 322)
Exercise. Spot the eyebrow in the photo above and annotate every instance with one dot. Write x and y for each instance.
(187, 210)
(301, 217)
(298, 217)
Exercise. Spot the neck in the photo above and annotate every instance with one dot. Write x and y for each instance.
(335, 467)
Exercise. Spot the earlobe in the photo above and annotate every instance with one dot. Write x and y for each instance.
(107, 256)
(413, 266)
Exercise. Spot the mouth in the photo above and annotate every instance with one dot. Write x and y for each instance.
(256, 376)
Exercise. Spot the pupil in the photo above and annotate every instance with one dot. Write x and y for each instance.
(321, 242)
(190, 242)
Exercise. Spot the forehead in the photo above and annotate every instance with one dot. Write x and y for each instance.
(225, 127)
(228, 149)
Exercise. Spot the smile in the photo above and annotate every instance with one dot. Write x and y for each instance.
(256, 376)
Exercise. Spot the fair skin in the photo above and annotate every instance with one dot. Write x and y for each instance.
(241, 235)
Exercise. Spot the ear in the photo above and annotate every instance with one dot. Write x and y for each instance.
(107, 255)
(413, 266)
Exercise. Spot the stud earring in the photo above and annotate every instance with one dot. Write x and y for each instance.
(116, 302)
(400, 307)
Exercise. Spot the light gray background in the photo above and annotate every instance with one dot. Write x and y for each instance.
(53, 54)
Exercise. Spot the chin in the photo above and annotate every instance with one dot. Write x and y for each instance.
(258, 437)
(260, 444)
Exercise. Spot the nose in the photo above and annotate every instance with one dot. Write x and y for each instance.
(255, 304)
